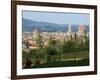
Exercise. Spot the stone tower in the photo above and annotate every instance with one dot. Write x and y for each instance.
(69, 33)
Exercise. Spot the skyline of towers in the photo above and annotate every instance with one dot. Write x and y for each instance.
(68, 35)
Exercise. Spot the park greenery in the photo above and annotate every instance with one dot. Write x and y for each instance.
(58, 53)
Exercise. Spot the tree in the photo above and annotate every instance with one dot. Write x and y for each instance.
(25, 55)
(70, 46)
(67, 47)
(51, 49)
(38, 55)
(86, 43)
(59, 49)
(51, 52)
(39, 40)
(52, 42)
(76, 48)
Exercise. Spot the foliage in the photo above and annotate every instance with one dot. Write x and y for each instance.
(39, 40)
(25, 54)
(83, 62)
(56, 49)
(38, 52)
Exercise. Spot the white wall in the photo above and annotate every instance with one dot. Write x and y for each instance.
(5, 44)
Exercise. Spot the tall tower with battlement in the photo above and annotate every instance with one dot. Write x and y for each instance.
(69, 33)
(69, 28)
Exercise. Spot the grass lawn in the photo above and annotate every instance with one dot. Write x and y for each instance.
(70, 63)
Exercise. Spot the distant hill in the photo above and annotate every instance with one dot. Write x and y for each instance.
(28, 25)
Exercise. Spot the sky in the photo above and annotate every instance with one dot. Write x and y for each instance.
(57, 17)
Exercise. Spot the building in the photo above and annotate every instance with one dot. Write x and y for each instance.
(29, 38)
(81, 32)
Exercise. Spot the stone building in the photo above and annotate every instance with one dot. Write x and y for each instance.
(30, 37)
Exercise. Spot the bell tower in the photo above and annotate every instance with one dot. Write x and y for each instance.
(69, 28)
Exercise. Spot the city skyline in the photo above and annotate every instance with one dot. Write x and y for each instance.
(57, 17)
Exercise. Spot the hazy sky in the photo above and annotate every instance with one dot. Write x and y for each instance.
(57, 17)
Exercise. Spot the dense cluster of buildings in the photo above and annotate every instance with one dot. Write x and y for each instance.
(29, 38)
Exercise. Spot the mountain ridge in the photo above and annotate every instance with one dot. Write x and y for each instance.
(28, 25)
